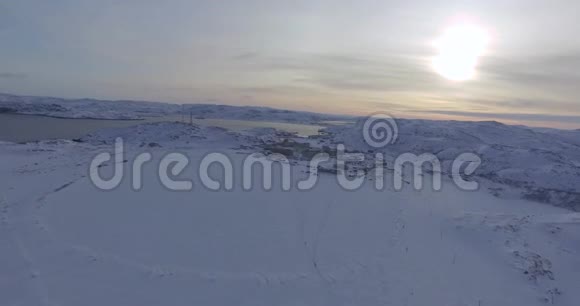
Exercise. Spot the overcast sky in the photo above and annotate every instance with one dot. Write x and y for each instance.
(331, 56)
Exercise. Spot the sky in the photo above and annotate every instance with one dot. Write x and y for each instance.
(348, 57)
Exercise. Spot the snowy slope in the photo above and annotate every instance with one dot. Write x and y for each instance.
(65, 242)
(254, 113)
(541, 164)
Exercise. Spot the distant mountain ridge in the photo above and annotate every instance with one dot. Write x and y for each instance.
(129, 109)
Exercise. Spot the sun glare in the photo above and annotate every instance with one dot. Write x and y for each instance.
(459, 50)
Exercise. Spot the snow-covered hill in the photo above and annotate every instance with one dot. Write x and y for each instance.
(539, 164)
(84, 108)
(65, 242)
(103, 109)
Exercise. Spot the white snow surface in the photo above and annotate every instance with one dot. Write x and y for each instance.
(538, 164)
(65, 242)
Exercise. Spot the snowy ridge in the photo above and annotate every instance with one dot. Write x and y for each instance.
(542, 164)
(103, 109)
(254, 113)
(83, 108)
(163, 134)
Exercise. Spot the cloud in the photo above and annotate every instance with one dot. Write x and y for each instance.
(351, 72)
(554, 69)
(509, 116)
(12, 75)
(245, 56)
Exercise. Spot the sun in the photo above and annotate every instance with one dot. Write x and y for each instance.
(459, 49)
